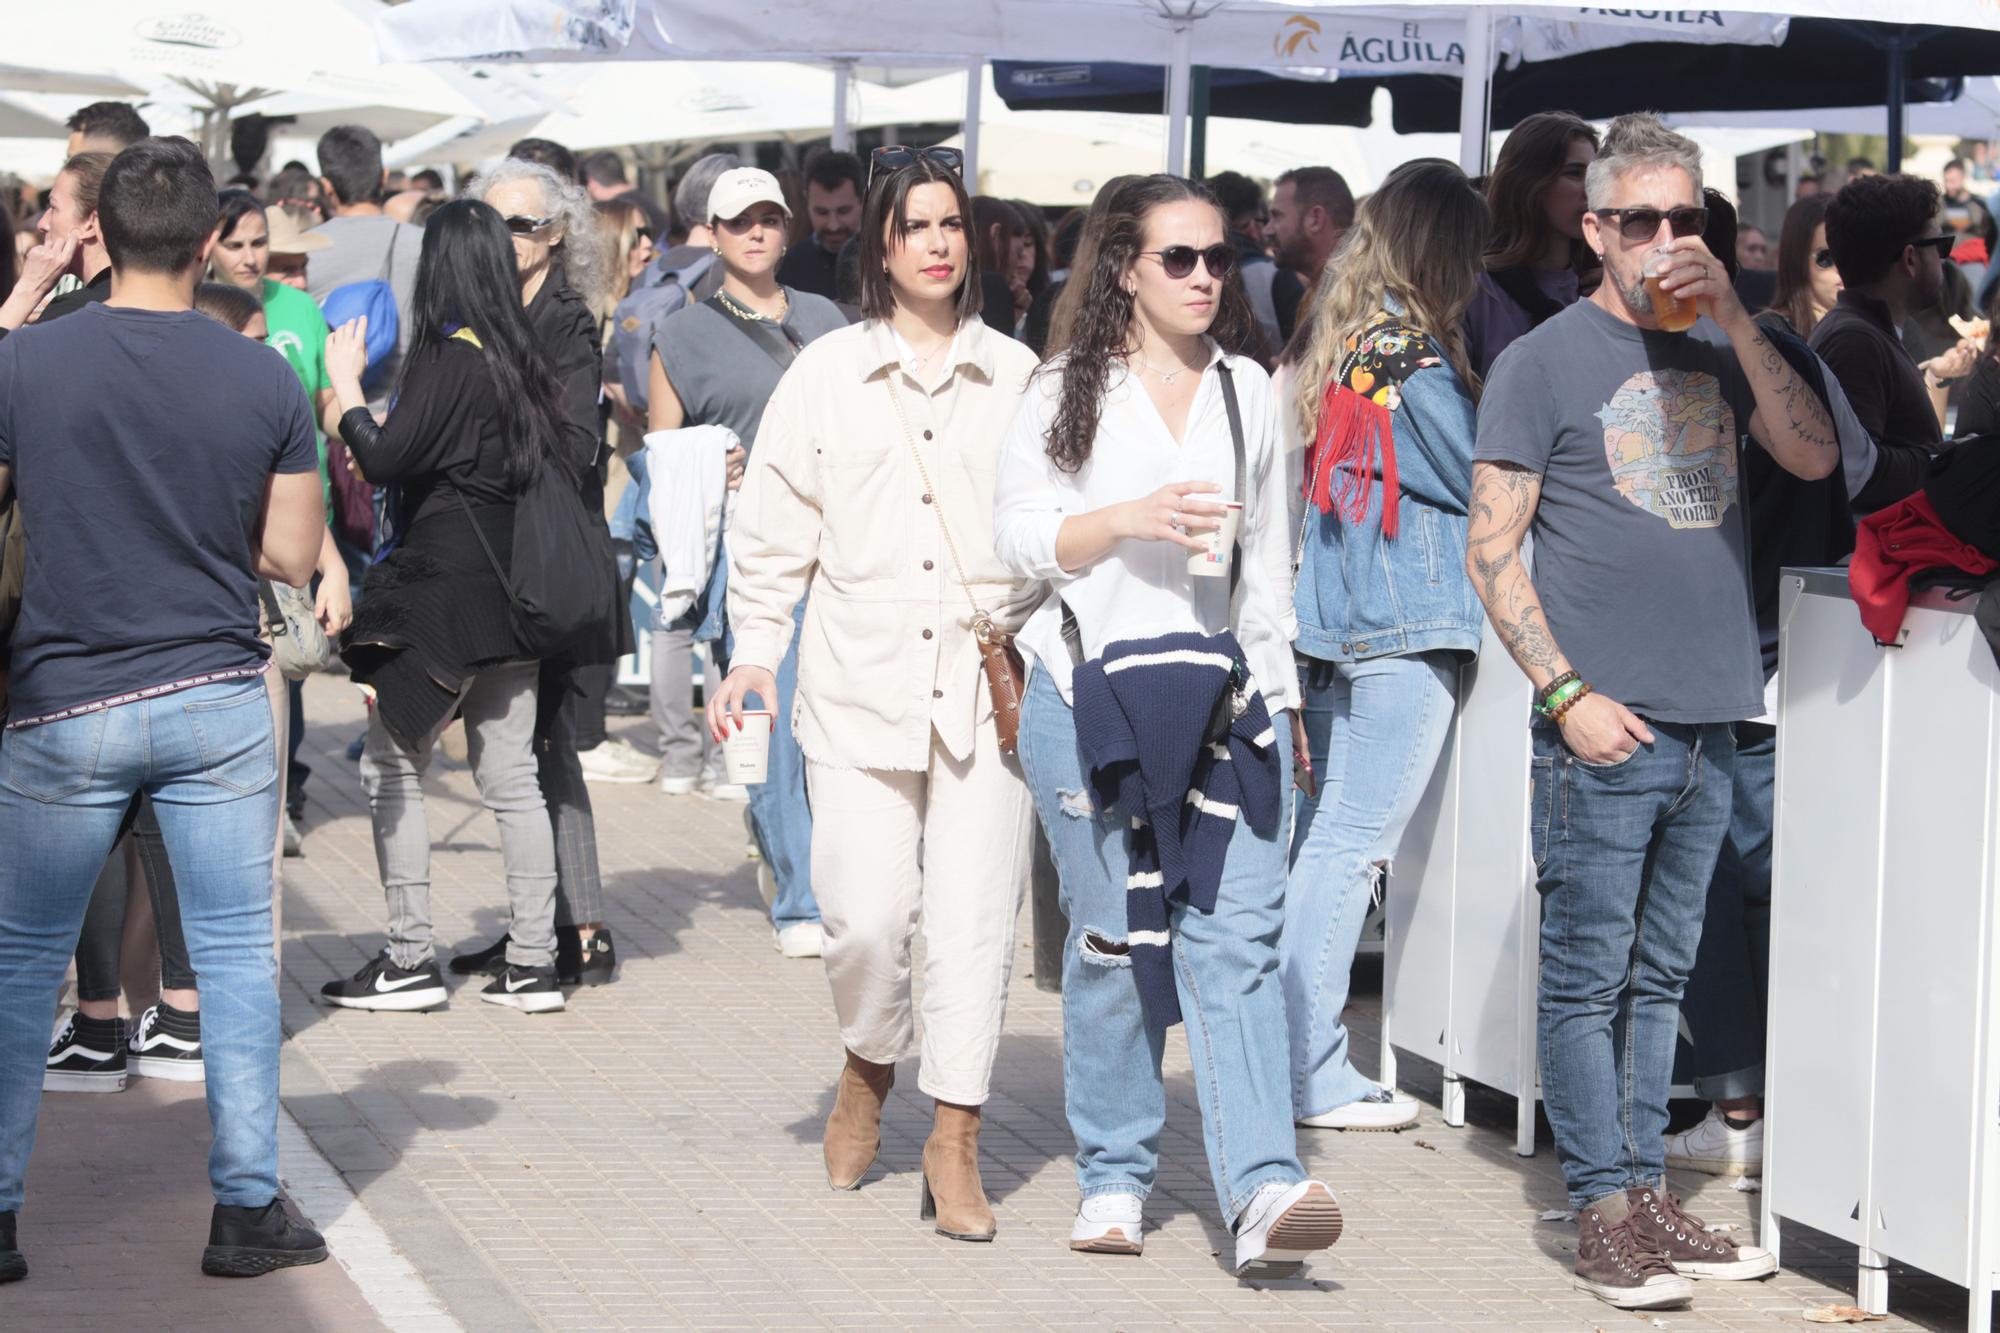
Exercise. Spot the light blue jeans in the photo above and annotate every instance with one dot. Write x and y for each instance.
(1374, 730)
(208, 758)
(780, 816)
(1226, 966)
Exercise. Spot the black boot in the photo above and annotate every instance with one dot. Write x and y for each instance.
(12, 1266)
(581, 964)
(250, 1242)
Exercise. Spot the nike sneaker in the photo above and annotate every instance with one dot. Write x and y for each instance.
(382, 985)
(532, 990)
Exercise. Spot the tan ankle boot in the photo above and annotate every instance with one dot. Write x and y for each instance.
(854, 1126)
(953, 1194)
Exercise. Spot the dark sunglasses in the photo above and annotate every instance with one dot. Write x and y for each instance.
(642, 233)
(520, 224)
(1179, 260)
(892, 156)
(1642, 224)
(1822, 259)
(1942, 244)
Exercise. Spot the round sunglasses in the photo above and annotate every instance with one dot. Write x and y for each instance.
(1179, 260)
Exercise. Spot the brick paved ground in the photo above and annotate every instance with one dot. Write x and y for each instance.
(650, 1158)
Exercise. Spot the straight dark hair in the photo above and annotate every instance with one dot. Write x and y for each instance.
(466, 279)
(1102, 331)
(887, 210)
(1533, 156)
(350, 158)
(227, 303)
(233, 206)
(1793, 297)
(156, 207)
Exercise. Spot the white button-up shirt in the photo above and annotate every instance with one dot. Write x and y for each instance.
(1143, 588)
(833, 500)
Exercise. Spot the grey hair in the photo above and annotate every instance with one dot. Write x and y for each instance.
(1638, 141)
(691, 193)
(586, 261)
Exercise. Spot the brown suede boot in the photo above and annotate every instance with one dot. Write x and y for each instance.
(854, 1126)
(953, 1194)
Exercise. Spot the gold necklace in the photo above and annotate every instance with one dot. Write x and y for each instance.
(742, 311)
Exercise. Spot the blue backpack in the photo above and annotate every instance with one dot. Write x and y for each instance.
(375, 298)
(659, 292)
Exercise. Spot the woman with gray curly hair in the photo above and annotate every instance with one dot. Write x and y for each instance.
(560, 257)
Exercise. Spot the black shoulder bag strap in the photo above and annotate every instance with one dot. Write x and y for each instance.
(1073, 635)
(770, 337)
(506, 583)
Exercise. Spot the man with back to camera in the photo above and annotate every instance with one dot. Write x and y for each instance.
(105, 127)
(1620, 445)
(604, 179)
(368, 244)
(151, 681)
(834, 186)
(1311, 210)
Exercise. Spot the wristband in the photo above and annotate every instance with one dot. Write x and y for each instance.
(1542, 695)
(1561, 694)
(1557, 711)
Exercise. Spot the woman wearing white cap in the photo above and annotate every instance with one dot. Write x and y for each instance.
(717, 363)
(872, 486)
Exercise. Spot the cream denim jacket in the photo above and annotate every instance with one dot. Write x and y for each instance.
(833, 505)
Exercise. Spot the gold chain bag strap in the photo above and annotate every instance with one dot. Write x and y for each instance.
(1006, 675)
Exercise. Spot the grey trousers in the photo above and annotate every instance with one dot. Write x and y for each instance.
(499, 710)
(685, 747)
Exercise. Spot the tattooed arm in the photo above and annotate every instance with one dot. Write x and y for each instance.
(1599, 729)
(1791, 421)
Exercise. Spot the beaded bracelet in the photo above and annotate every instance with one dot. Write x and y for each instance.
(1547, 692)
(1561, 694)
(1557, 711)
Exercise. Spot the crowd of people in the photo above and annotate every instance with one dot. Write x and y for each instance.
(1169, 529)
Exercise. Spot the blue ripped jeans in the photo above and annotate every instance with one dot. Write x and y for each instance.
(1226, 965)
(1375, 730)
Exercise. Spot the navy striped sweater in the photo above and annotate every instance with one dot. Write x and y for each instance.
(1141, 712)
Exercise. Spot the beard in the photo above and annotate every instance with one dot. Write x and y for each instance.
(1636, 295)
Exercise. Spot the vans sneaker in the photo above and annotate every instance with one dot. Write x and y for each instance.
(87, 1055)
(1109, 1224)
(1286, 1224)
(1658, 1220)
(381, 985)
(1619, 1267)
(1719, 1148)
(167, 1045)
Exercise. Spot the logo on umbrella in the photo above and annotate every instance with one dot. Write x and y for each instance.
(189, 30)
(1296, 32)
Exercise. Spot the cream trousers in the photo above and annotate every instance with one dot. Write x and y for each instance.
(945, 851)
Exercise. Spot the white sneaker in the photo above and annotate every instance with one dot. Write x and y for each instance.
(1109, 1224)
(727, 791)
(767, 883)
(1380, 1109)
(295, 843)
(680, 786)
(1286, 1224)
(1714, 1147)
(801, 939)
(617, 761)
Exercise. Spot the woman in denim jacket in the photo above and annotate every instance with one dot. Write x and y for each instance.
(1386, 615)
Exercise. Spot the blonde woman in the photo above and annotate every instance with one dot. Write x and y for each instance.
(1386, 614)
(872, 484)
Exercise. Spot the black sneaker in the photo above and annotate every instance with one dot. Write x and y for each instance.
(532, 990)
(12, 1266)
(167, 1046)
(250, 1242)
(488, 962)
(585, 963)
(383, 985)
(87, 1055)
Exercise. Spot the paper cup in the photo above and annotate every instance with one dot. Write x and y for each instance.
(746, 751)
(1212, 561)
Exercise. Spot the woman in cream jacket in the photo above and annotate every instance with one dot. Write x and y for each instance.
(871, 487)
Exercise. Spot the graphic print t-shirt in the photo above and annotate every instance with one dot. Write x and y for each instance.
(1641, 546)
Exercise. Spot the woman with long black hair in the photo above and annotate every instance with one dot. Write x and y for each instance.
(1535, 255)
(1162, 682)
(476, 416)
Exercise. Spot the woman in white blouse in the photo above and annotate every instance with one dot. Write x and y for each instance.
(1121, 462)
(871, 482)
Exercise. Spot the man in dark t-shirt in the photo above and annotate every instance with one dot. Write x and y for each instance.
(164, 463)
(1620, 445)
(835, 184)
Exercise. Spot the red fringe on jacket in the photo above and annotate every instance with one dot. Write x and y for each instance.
(1356, 438)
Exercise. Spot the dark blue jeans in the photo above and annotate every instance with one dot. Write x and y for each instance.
(1726, 993)
(1623, 853)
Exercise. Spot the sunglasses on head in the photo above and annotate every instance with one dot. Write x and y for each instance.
(520, 224)
(892, 156)
(1179, 260)
(1942, 244)
(1642, 224)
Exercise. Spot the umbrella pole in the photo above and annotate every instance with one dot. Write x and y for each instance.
(1178, 95)
(1476, 93)
(1198, 123)
(975, 78)
(843, 131)
(1899, 68)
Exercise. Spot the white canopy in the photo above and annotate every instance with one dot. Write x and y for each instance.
(1974, 114)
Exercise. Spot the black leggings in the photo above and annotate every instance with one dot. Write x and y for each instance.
(100, 948)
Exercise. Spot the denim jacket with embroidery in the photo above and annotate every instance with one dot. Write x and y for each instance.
(1377, 579)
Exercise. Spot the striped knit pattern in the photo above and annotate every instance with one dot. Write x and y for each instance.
(1141, 711)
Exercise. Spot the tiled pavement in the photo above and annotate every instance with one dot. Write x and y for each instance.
(649, 1158)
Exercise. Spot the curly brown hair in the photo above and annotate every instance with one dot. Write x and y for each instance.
(1102, 332)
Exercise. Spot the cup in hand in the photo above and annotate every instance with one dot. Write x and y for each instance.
(746, 750)
(1212, 560)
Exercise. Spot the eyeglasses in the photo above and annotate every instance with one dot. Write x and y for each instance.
(1179, 260)
(520, 224)
(1822, 258)
(1942, 244)
(1643, 224)
(893, 156)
